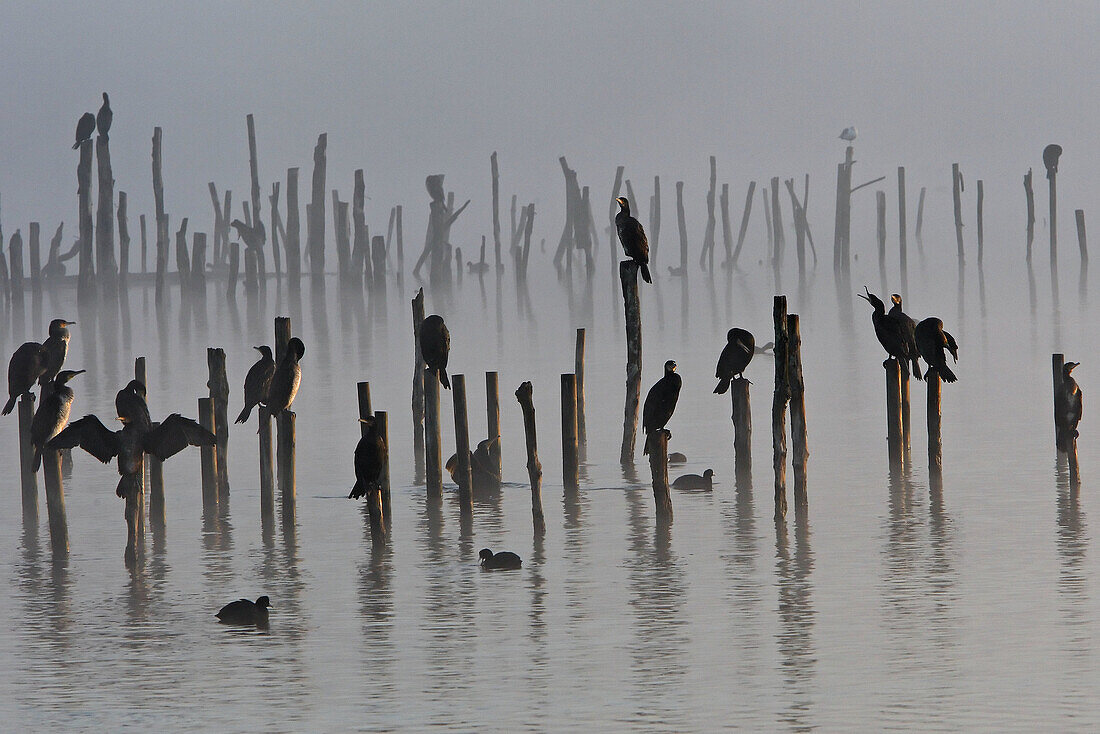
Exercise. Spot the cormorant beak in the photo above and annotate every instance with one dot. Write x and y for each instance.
(69, 323)
(258, 349)
(866, 298)
(366, 420)
(895, 299)
(120, 418)
(621, 201)
(77, 372)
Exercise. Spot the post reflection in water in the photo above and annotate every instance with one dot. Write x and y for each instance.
(1075, 604)
(795, 638)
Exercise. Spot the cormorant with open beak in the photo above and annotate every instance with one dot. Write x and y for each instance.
(892, 334)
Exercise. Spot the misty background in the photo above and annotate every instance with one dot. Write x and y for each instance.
(409, 89)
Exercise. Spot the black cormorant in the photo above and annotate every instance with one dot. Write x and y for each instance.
(676, 457)
(286, 378)
(908, 327)
(482, 467)
(503, 561)
(103, 119)
(370, 459)
(53, 413)
(633, 238)
(893, 334)
(130, 405)
(735, 357)
(932, 340)
(660, 402)
(245, 612)
(84, 129)
(435, 346)
(257, 381)
(57, 348)
(694, 481)
(1069, 404)
(25, 367)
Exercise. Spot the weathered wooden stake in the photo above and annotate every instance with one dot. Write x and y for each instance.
(432, 440)
(362, 390)
(628, 276)
(418, 387)
(1057, 361)
(161, 217)
(956, 198)
(55, 501)
(903, 256)
(893, 411)
(382, 425)
(26, 459)
(569, 453)
(799, 439)
(1030, 193)
(744, 222)
(578, 370)
(880, 210)
(315, 227)
(209, 456)
(85, 283)
(219, 394)
(920, 222)
(935, 441)
(462, 444)
(284, 424)
(658, 466)
(742, 427)
(524, 394)
(981, 222)
(267, 464)
(1082, 244)
(152, 467)
(492, 420)
(780, 396)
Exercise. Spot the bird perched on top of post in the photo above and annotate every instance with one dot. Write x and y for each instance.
(633, 238)
(660, 402)
(85, 126)
(849, 133)
(1069, 409)
(103, 119)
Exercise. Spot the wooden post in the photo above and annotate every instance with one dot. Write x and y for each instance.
(654, 219)
(360, 237)
(382, 425)
(1056, 363)
(253, 170)
(496, 210)
(123, 242)
(744, 222)
(374, 499)
(1030, 193)
(920, 222)
(85, 283)
(293, 229)
(183, 262)
(906, 416)
(492, 420)
(34, 249)
(799, 439)
(893, 411)
(219, 394)
(681, 222)
(152, 467)
(234, 270)
(956, 198)
(267, 461)
(880, 209)
(26, 459)
(569, 453)
(524, 394)
(742, 427)
(161, 216)
(842, 224)
(462, 444)
(935, 442)
(418, 387)
(777, 229)
(362, 391)
(903, 256)
(285, 425)
(315, 232)
(628, 276)
(578, 370)
(15, 253)
(144, 244)
(432, 440)
(707, 255)
(658, 466)
(780, 396)
(343, 238)
(278, 232)
(209, 456)
(55, 501)
(1079, 216)
(981, 224)
(1051, 154)
(104, 218)
(727, 230)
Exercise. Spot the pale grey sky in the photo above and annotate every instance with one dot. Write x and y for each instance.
(408, 89)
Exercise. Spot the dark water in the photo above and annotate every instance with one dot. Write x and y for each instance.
(888, 605)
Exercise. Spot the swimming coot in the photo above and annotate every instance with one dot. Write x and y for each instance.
(245, 612)
(694, 481)
(505, 560)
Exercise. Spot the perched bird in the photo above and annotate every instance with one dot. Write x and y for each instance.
(26, 365)
(57, 348)
(735, 357)
(254, 237)
(931, 341)
(660, 402)
(370, 459)
(694, 481)
(85, 126)
(257, 381)
(633, 238)
(848, 133)
(245, 612)
(286, 378)
(908, 327)
(892, 333)
(53, 413)
(1069, 408)
(163, 440)
(503, 561)
(435, 346)
(482, 467)
(676, 457)
(103, 119)
(1051, 154)
(130, 405)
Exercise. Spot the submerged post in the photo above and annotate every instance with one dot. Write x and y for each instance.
(219, 394)
(935, 441)
(658, 466)
(798, 408)
(209, 456)
(382, 425)
(893, 411)
(742, 427)
(418, 387)
(780, 396)
(285, 425)
(464, 476)
(524, 395)
(28, 482)
(578, 370)
(628, 277)
(55, 501)
(492, 420)
(569, 451)
(267, 463)
(432, 450)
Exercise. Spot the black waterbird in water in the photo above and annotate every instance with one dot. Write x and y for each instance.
(25, 367)
(245, 612)
(257, 382)
(85, 126)
(103, 119)
(370, 459)
(53, 413)
(1069, 408)
(932, 341)
(286, 378)
(632, 237)
(694, 481)
(660, 402)
(435, 346)
(503, 561)
(57, 348)
(676, 457)
(735, 357)
(893, 334)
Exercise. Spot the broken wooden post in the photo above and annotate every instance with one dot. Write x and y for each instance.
(920, 223)
(34, 250)
(492, 416)
(1030, 193)
(285, 425)
(654, 220)
(744, 222)
(234, 270)
(209, 457)
(464, 474)
(524, 394)
(55, 501)
(382, 425)
(104, 218)
(144, 244)
(980, 223)
(569, 453)
(315, 216)
(360, 235)
(153, 468)
(418, 387)
(161, 217)
(183, 260)
(362, 391)
(935, 441)
(253, 171)
(293, 230)
(843, 218)
(1057, 361)
(880, 210)
(1051, 153)
(727, 231)
(628, 276)
(15, 255)
(85, 284)
(799, 439)
(780, 396)
(28, 481)
(707, 255)
(496, 211)
(658, 466)
(433, 459)
(742, 427)
(123, 242)
(578, 370)
(218, 383)
(681, 222)
(1079, 216)
(956, 198)
(777, 230)
(267, 461)
(903, 256)
(894, 431)
(373, 493)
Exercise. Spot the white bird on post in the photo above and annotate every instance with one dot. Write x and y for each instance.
(849, 133)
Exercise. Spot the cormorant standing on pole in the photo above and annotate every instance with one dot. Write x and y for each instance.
(84, 129)
(286, 378)
(735, 357)
(103, 119)
(257, 382)
(1070, 405)
(25, 367)
(633, 238)
(932, 341)
(660, 402)
(892, 333)
(370, 459)
(130, 405)
(435, 346)
(53, 413)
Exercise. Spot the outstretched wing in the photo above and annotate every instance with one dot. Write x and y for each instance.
(174, 434)
(89, 434)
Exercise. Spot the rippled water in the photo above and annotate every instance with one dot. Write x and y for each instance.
(887, 605)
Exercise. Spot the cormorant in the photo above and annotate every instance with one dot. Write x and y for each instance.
(482, 467)
(103, 119)
(26, 365)
(57, 347)
(907, 327)
(84, 129)
(1051, 154)
(1070, 404)
(52, 413)
(370, 459)
(286, 378)
(633, 238)
(163, 440)
(130, 405)
(676, 457)
(257, 381)
(735, 357)
(245, 612)
(503, 561)
(660, 402)
(435, 346)
(694, 481)
(931, 341)
(892, 334)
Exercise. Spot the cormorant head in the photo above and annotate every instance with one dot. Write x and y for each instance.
(136, 386)
(731, 335)
(369, 420)
(105, 100)
(874, 300)
(58, 327)
(485, 554)
(1069, 367)
(297, 346)
(264, 350)
(624, 205)
(263, 602)
(895, 299)
(708, 474)
(65, 375)
(670, 366)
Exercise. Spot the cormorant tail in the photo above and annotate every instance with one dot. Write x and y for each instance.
(645, 273)
(245, 413)
(946, 373)
(645, 446)
(76, 145)
(357, 491)
(10, 406)
(723, 385)
(916, 369)
(443, 380)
